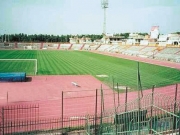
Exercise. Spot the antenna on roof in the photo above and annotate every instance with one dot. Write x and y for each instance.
(104, 5)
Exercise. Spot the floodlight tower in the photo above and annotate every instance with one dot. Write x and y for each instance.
(104, 4)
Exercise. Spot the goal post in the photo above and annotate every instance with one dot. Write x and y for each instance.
(19, 65)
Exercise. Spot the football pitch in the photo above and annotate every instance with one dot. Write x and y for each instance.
(107, 69)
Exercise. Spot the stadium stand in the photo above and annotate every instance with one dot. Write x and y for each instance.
(6, 45)
(20, 45)
(28, 47)
(65, 46)
(45, 46)
(1, 45)
(103, 47)
(133, 50)
(37, 45)
(76, 46)
(147, 51)
(123, 48)
(177, 60)
(85, 47)
(119, 49)
(178, 53)
(170, 50)
(12, 45)
(111, 48)
(169, 54)
(50, 46)
(93, 47)
(161, 53)
(55, 46)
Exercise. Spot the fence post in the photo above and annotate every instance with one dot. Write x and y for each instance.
(152, 104)
(139, 103)
(3, 120)
(118, 93)
(175, 100)
(101, 112)
(126, 99)
(114, 95)
(62, 112)
(102, 98)
(96, 113)
(114, 106)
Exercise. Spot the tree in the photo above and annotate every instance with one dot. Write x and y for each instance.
(21, 37)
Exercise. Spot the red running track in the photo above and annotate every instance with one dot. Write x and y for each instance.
(46, 91)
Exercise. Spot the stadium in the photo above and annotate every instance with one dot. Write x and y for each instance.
(89, 88)
(116, 84)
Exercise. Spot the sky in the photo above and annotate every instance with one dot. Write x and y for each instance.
(62, 17)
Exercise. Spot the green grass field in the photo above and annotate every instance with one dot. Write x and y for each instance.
(121, 71)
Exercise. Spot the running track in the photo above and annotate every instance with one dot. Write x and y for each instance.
(47, 92)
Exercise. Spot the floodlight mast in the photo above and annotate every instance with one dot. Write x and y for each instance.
(104, 4)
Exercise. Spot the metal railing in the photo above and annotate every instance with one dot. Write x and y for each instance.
(153, 113)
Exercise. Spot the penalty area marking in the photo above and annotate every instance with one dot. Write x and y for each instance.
(102, 75)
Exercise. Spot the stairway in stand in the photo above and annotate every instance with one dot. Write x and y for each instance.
(82, 46)
(70, 47)
(58, 46)
(41, 47)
